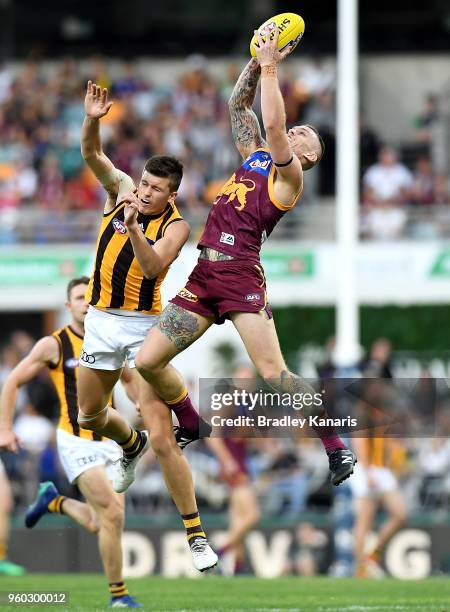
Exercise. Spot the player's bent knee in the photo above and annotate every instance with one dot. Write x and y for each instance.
(142, 366)
(114, 516)
(93, 422)
(162, 444)
(149, 366)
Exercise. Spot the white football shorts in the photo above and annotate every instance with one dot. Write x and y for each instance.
(110, 339)
(78, 455)
(383, 480)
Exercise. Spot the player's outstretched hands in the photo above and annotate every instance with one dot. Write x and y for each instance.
(267, 53)
(9, 440)
(131, 209)
(96, 103)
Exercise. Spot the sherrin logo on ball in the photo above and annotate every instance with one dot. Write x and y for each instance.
(291, 28)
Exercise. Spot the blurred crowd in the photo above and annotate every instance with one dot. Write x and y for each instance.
(42, 173)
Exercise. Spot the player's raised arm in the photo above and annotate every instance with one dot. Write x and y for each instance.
(44, 353)
(97, 105)
(244, 123)
(153, 259)
(273, 110)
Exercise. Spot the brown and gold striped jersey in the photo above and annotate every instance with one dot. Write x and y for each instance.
(377, 451)
(386, 452)
(118, 281)
(64, 378)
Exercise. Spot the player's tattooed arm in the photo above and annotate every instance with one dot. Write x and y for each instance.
(179, 325)
(244, 122)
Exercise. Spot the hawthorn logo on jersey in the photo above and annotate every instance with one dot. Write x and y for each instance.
(71, 363)
(252, 296)
(119, 226)
(259, 162)
(187, 295)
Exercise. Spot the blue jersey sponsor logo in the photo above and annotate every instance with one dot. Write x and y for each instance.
(259, 161)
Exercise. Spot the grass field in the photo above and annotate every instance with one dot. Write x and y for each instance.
(88, 593)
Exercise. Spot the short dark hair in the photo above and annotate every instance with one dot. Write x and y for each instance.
(321, 142)
(81, 280)
(165, 166)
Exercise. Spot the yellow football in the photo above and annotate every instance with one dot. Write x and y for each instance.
(290, 26)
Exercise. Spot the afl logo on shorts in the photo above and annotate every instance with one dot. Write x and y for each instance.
(86, 357)
(71, 363)
(119, 226)
(252, 296)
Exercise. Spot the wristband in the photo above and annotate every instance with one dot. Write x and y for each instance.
(269, 70)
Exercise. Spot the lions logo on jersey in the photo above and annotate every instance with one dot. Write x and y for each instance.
(236, 190)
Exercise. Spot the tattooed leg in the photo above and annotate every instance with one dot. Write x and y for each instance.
(181, 326)
(176, 330)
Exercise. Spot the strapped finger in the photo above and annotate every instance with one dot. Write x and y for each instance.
(262, 36)
(89, 87)
(104, 95)
(276, 34)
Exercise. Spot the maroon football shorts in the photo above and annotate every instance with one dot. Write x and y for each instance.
(216, 288)
(238, 450)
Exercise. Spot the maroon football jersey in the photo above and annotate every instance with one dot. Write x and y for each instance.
(246, 210)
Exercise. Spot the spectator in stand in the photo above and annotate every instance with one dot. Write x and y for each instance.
(426, 120)
(25, 181)
(377, 364)
(315, 79)
(423, 185)
(388, 181)
(386, 189)
(384, 221)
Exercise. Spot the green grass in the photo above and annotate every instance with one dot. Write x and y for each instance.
(88, 593)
